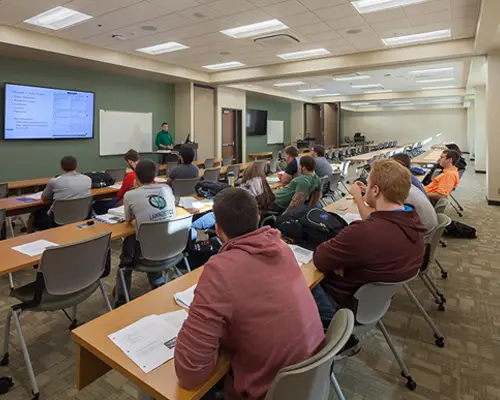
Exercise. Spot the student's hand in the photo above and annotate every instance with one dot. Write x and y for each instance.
(163, 146)
(362, 186)
(356, 192)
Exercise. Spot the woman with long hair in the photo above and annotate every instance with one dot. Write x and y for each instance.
(254, 181)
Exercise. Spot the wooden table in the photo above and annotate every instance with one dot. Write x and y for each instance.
(256, 156)
(34, 184)
(368, 156)
(429, 157)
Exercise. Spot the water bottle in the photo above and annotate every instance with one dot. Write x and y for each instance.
(230, 178)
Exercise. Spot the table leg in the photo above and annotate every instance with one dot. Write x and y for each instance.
(141, 395)
(88, 368)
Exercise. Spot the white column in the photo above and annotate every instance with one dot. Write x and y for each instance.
(297, 128)
(184, 112)
(493, 127)
(480, 131)
(471, 128)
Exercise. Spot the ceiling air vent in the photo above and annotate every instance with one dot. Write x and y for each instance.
(278, 40)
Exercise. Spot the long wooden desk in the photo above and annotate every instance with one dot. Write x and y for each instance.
(256, 156)
(368, 156)
(429, 157)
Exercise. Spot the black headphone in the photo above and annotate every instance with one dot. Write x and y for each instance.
(5, 384)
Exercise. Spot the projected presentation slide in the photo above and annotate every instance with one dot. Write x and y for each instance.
(41, 113)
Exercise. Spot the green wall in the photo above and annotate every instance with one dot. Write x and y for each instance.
(276, 111)
(32, 159)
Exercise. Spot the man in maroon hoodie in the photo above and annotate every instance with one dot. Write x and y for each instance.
(251, 301)
(387, 246)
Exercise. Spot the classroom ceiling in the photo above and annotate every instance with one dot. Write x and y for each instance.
(125, 25)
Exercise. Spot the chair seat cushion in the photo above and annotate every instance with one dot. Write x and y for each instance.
(144, 265)
(49, 301)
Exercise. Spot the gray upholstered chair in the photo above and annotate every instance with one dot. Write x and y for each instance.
(68, 211)
(118, 174)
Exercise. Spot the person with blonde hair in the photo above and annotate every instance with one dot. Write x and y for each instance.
(386, 246)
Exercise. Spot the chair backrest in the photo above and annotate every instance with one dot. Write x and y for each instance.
(310, 379)
(118, 174)
(261, 165)
(235, 169)
(170, 166)
(209, 163)
(273, 165)
(461, 173)
(226, 161)
(211, 175)
(334, 181)
(436, 172)
(4, 190)
(443, 222)
(68, 211)
(441, 205)
(184, 187)
(351, 172)
(423, 207)
(161, 240)
(72, 267)
(2, 224)
(171, 157)
(374, 299)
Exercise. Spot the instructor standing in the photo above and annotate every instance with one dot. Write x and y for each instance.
(164, 139)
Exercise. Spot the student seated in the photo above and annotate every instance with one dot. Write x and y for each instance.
(323, 167)
(386, 246)
(304, 187)
(70, 184)
(404, 159)
(292, 168)
(251, 301)
(461, 164)
(443, 184)
(149, 202)
(186, 169)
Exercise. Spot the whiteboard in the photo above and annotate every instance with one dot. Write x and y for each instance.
(120, 131)
(275, 132)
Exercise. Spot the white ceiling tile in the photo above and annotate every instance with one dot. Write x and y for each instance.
(200, 13)
(391, 25)
(365, 42)
(337, 12)
(313, 28)
(285, 8)
(462, 3)
(317, 4)
(302, 19)
(15, 11)
(463, 32)
(427, 7)
(174, 5)
(465, 12)
(323, 36)
(263, 3)
(216, 37)
(349, 22)
(99, 7)
(429, 18)
(251, 17)
(228, 7)
(386, 15)
(464, 22)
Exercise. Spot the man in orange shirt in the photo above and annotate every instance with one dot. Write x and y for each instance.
(443, 184)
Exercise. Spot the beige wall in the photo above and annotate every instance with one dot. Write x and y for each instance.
(183, 111)
(297, 124)
(204, 121)
(408, 126)
(236, 100)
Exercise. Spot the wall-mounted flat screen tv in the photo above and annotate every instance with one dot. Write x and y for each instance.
(256, 122)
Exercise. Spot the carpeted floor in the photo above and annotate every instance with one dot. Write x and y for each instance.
(467, 368)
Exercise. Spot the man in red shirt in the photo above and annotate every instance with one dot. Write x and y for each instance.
(251, 301)
(132, 158)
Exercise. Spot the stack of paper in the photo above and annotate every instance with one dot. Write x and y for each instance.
(150, 342)
(109, 218)
(190, 203)
(118, 211)
(34, 248)
(185, 298)
(303, 256)
(34, 196)
(272, 179)
(115, 186)
(350, 217)
(160, 180)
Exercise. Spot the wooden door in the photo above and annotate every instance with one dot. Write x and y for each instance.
(228, 132)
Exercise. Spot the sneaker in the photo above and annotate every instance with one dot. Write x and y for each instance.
(351, 348)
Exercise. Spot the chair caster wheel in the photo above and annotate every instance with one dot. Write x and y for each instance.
(36, 396)
(5, 360)
(441, 307)
(24, 230)
(443, 299)
(73, 325)
(444, 245)
(439, 342)
(411, 384)
(444, 275)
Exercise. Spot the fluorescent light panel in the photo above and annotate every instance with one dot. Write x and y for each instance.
(418, 38)
(311, 90)
(368, 6)
(161, 48)
(401, 102)
(285, 84)
(432, 71)
(439, 87)
(360, 104)
(378, 91)
(375, 85)
(58, 18)
(304, 54)
(351, 78)
(435, 80)
(273, 25)
(327, 94)
(226, 65)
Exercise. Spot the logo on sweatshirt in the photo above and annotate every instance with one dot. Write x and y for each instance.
(157, 201)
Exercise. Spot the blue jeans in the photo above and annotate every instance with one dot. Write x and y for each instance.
(207, 221)
(327, 307)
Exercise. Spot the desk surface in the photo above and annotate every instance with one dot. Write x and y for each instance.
(369, 156)
(96, 351)
(429, 157)
(253, 156)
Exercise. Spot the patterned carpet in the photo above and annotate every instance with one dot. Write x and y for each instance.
(467, 368)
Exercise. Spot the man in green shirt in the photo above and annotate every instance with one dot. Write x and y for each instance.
(164, 140)
(306, 186)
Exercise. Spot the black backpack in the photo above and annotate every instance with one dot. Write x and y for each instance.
(100, 179)
(310, 228)
(210, 189)
(459, 230)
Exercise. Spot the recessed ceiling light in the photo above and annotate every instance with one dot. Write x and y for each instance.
(436, 80)
(162, 48)
(439, 87)
(432, 71)
(368, 6)
(351, 78)
(273, 25)
(360, 104)
(304, 54)
(149, 28)
(374, 85)
(400, 102)
(327, 94)
(311, 90)
(378, 91)
(418, 38)
(226, 65)
(285, 84)
(58, 18)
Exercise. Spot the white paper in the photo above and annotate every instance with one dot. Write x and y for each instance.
(34, 248)
(185, 298)
(350, 217)
(116, 186)
(150, 342)
(109, 218)
(303, 256)
(34, 196)
(272, 179)
(160, 180)
(190, 203)
(118, 211)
